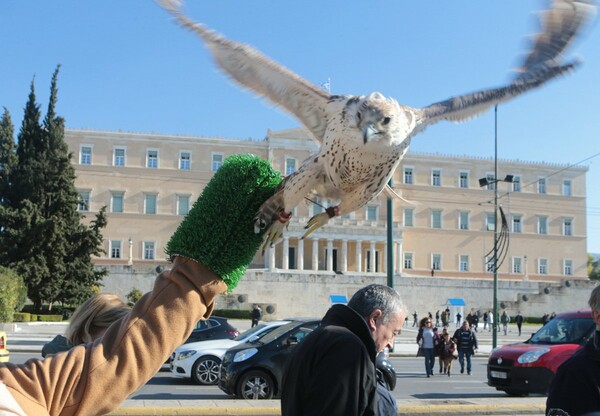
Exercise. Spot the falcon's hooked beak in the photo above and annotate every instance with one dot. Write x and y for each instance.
(369, 131)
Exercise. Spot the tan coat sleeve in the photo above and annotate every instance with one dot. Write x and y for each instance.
(95, 379)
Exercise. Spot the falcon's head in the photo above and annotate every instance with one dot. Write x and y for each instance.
(382, 119)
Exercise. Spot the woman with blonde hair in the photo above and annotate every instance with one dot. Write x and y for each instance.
(89, 322)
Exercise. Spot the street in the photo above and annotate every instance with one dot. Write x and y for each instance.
(412, 383)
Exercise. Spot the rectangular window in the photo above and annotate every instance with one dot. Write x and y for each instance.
(290, 166)
(150, 203)
(542, 225)
(566, 188)
(148, 250)
(436, 218)
(490, 223)
(152, 159)
(185, 161)
(516, 184)
(568, 226)
(517, 224)
(119, 157)
(463, 220)
(115, 249)
(408, 260)
(436, 177)
(436, 261)
(517, 267)
(464, 263)
(408, 176)
(463, 180)
(409, 217)
(84, 201)
(183, 204)
(568, 267)
(541, 186)
(543, 266)
(85, 156)
(217, 161)
(116, 203)
(491, 179)
(372, 213)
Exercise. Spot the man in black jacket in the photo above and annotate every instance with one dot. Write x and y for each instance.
(332, 372)
(575, 390)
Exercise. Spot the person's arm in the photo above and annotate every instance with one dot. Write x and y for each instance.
(94, 379)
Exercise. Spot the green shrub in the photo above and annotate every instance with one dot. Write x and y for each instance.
(134, 296)
(232, 313)
(21, 317)
(50, 318)
(12, 294)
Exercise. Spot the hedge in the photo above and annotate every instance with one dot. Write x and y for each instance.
(232, 313)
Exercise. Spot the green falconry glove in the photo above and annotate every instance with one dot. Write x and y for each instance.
(219, 229)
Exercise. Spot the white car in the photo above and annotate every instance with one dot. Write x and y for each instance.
(201, 360)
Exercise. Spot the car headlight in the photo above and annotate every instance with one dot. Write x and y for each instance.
(244, 355)
(532, 356)
(185, 354)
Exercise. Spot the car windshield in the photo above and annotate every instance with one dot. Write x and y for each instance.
(245, 336)
(564, 331)
(284, 329)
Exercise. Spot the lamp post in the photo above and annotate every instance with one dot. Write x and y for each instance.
(390, 238)
(485, 182)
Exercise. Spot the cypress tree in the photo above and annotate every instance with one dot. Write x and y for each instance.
(52, 249)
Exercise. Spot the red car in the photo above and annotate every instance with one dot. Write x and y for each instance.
(529, 367)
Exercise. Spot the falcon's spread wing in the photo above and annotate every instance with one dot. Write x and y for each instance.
(265, 77)
(560, 25)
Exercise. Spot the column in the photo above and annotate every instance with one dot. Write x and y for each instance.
(385, 254)
(329, 254)
(344, 267)
(285, 258)
(372, 256)
(130, 261)
(358, 256)
(271, 258)
(315, 254)
(399, 259)
(300, 261)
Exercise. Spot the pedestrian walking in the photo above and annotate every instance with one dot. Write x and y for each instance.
(256, 315)
(519, 321)
(415, 319)
(486, 320)
(437, 318)
(445, 317)
(458, 319)
(466, 341)
(545, 319)
(504, 320)
(426, 340)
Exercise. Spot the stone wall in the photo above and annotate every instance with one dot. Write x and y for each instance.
(307, 294)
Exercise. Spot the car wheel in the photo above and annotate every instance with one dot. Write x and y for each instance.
(205, 371)
(256, 385)
(516, 393)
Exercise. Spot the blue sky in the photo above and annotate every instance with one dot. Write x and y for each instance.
(127, 66)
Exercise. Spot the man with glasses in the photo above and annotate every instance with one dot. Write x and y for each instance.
(466, 341)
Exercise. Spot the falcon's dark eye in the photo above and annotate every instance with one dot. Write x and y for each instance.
(386, 121)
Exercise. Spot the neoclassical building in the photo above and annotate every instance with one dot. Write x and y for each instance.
(442, 226)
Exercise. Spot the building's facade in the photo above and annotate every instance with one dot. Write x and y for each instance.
(443, 227)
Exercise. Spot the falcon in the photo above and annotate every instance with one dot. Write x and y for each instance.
(363, 138)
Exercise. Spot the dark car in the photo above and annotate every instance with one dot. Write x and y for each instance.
(214, 327)
(529, 367)
(254, 370)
